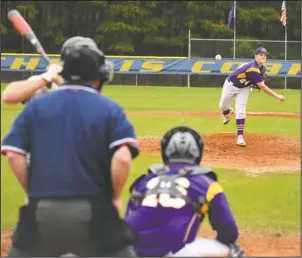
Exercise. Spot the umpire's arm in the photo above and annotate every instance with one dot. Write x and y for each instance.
(123, 147)
(16, 146)
(120, 170)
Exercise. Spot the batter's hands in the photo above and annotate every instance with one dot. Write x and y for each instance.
(281, 98)
(52, 74)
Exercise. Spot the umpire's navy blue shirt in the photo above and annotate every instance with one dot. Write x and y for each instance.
(70, 135)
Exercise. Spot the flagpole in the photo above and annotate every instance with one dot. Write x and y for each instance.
(285, 53)
(234, 40)
(285, 38)
(189, 56)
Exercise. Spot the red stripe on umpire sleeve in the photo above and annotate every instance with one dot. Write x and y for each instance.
(128, 143)
(4, 152)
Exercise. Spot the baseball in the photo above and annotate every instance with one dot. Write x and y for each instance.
(218, 57)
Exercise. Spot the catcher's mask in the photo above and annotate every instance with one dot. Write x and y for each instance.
(83, 61)
(182, 144)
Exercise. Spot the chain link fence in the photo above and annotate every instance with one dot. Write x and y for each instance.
(244, 48)
(208, 48)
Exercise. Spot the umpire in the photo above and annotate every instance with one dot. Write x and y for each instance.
(81, 146)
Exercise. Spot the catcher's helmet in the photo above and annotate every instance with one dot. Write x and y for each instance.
(83, 61)
(182, 144)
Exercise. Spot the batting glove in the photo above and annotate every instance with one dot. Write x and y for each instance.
(52, 73)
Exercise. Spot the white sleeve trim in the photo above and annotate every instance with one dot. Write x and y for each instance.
(121, 141)
(5, 148)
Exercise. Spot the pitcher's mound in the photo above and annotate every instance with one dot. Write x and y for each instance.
(263, 153)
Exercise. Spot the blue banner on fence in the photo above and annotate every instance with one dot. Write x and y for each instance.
(156, 65)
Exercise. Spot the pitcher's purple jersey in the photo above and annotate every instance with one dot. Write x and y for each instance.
(162, 229)
(247, 75)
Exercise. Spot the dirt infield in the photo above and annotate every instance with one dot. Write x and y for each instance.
(5, 241)
(263, 153)
(254, 244)
(273, 245)
(211, 113)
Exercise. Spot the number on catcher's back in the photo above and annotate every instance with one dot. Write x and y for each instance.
(165, 200)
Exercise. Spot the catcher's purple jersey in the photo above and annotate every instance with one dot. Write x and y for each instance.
(247, 75)
(167, 229)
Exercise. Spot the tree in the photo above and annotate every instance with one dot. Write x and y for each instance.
(152, 27)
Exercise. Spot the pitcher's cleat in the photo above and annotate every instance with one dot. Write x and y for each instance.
(240, 141)
(226, 114)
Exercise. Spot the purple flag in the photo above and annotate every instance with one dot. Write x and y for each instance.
(231, 15)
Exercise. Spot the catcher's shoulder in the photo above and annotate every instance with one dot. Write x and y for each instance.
(203, 170)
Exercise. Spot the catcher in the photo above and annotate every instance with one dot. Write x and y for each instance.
(169, 203)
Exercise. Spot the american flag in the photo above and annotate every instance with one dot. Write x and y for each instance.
(283, 14)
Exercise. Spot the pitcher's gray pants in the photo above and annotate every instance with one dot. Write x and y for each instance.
(63, 228)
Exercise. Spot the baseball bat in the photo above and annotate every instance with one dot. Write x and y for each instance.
(25, 31)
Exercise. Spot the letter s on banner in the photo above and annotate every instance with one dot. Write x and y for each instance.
(152, 66)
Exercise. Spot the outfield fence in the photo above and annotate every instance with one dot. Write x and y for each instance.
(160, 71)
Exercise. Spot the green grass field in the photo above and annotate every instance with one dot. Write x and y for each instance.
(269, 202)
